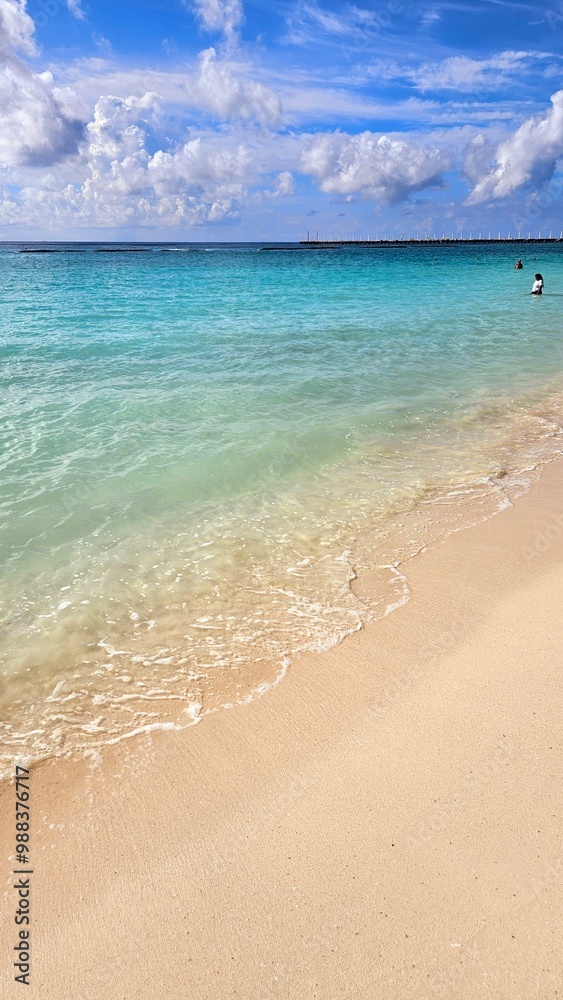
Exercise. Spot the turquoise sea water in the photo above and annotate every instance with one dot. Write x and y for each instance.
(203, 446)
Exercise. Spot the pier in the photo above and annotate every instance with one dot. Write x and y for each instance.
(429, 241)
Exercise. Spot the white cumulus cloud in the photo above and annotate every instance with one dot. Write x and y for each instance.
(34, 129)
(227, 97)
(16, 29)
(379, 167)
(124, 170)
(528, 158)
(478, 157)
(126, 184)
(284, 186)
(223, 16)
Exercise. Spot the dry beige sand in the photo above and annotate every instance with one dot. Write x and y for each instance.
(385, 824)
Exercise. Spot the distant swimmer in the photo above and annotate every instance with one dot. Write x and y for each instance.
(537, 287)
(518, 265)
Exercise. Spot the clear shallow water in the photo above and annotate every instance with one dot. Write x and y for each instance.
(203, 446)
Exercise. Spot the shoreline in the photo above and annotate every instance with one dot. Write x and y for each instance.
(384, 549)
(383, 824)
(115, 619)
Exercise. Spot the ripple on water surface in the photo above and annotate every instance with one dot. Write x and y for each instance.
(202, 452)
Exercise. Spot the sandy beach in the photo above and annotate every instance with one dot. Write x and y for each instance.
(281, 500)
(385, 824)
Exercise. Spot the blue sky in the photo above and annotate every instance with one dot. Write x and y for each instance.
(247, 120)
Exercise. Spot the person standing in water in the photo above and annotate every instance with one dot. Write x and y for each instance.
(537, 287)
(518, 265)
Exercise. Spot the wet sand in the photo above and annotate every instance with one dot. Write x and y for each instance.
(385, 824)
